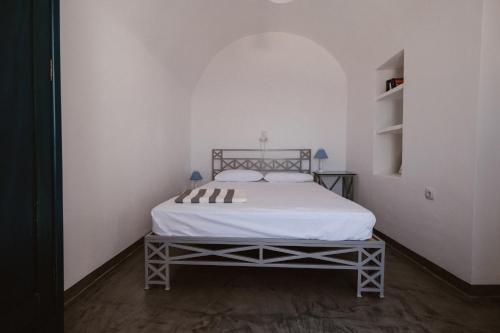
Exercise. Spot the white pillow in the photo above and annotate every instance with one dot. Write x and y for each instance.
(288, 177)
(238, 175)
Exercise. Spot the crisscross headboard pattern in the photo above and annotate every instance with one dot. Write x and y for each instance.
(292, 160)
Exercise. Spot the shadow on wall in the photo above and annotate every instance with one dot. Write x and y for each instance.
(284, 84)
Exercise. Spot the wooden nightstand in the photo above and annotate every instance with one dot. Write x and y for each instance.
(346, 177)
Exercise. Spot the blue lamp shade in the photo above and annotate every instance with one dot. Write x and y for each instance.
(196, 175)
(321, 154)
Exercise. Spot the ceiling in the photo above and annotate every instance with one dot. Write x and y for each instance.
(187, 34)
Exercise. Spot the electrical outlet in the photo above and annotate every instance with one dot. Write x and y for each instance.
(430, 193)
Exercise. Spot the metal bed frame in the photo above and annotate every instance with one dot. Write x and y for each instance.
(366, 257)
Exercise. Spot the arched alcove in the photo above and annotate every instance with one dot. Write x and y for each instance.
(281, 83)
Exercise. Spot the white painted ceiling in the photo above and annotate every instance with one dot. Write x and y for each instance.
(188, 33)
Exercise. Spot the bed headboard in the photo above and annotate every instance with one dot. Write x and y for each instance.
(292, 160)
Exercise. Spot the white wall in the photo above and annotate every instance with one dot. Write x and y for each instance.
(281, 83)
(125, 57)
(125, 134)
(486, 245)
(441, 78)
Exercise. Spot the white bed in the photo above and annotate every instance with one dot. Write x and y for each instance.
(273, 210)
(286, 225)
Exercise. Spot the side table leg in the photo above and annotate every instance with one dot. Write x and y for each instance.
(350, 189)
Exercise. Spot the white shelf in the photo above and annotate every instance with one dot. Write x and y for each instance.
(396, 129)
(388, 140)
(394, 93)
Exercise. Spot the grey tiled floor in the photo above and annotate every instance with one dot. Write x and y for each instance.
(218, 299)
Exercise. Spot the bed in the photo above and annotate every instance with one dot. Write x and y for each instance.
(287, 225)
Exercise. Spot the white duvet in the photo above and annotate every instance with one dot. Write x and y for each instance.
(273, 210)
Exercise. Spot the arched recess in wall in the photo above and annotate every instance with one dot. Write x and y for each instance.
(285, 84)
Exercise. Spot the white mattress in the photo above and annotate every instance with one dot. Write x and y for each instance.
(273, 210)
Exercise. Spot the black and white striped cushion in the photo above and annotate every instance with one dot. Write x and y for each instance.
(211, 195)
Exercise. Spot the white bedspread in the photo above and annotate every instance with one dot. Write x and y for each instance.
(273, 210)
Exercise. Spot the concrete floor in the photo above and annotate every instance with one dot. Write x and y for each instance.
(219, 299)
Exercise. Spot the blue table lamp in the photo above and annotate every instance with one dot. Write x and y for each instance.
(320, 155)
(195, 177)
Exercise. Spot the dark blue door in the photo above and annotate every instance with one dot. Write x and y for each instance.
(30, 224)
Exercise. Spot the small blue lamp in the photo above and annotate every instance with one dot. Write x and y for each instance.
(320, 155)
(195, 177)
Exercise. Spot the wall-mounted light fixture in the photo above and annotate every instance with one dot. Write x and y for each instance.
(263, 137)
(262, 143)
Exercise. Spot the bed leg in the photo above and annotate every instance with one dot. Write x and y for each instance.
(358, 285)
(146, 272)
(382, 271)
(167, 267)
(167, 276)
(358, 289)
(371, 266)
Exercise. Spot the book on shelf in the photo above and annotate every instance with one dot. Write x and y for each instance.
(393, 83)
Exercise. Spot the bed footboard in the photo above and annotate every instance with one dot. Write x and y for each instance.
(366, 257)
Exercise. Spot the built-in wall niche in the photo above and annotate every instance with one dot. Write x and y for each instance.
(388, 120)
